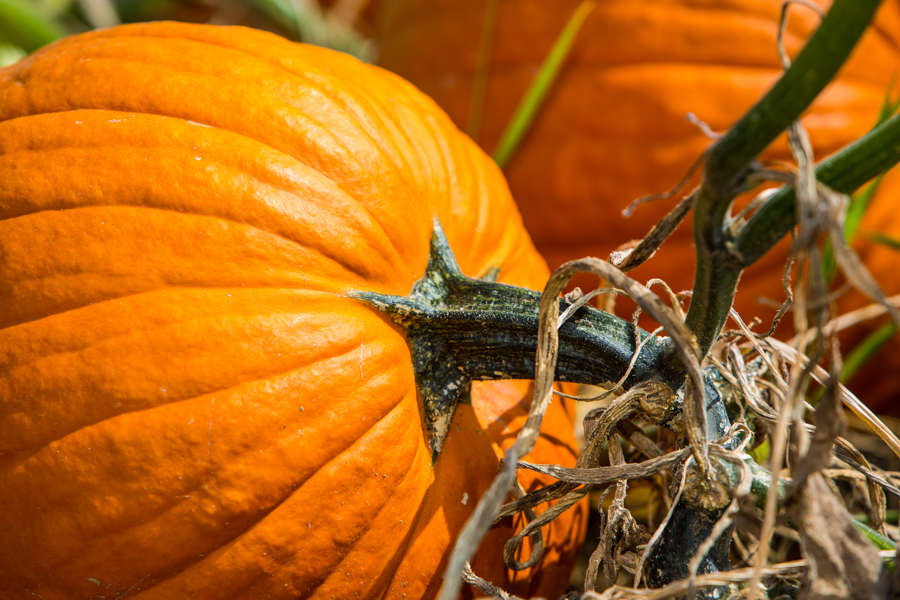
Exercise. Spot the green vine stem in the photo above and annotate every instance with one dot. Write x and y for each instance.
(718, 261)
(844, 172)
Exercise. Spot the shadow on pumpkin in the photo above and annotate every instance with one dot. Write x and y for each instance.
(480, 432)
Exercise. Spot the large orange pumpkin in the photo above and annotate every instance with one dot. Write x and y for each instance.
(613, 127)
(191, 404)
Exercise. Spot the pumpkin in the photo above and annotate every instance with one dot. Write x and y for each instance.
(613, 127)
(193, 405)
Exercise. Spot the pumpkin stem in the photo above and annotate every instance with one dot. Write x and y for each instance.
(461, 329)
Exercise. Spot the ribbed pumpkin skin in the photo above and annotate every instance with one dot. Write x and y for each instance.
(613, 129)
(191, 407)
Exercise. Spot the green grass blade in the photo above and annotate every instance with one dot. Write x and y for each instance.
(888, 106)
(527, 110)
(866, 349)
(884, 240)
(858, 205)
(881, 542)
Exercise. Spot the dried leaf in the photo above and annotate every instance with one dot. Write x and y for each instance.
(843, 564)
(601, 475)
(631, 258)
(485, 587)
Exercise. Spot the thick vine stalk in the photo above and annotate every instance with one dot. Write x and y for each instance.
(719, 261)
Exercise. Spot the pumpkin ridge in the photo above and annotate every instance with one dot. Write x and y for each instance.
(403, 547)
(383, 243)
(400, 555)
(20, 457)
(361, 92)
(412, 127)
(432, 502)
(377, 110)
(77, 348)
(387, 115)
(259, 518)
(338, 355)
(188, 213)
(126, 32)
(281, 275)
(132, 112)
(211, 557)
(307, 81)
(72, 45)
(447, 171)
(167, 287)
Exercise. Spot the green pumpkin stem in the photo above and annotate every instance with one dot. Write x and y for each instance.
(461, 329)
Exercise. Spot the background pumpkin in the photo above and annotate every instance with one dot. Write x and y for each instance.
(191, 405)
(613, 127)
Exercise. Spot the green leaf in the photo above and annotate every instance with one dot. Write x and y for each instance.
(858, 205)
(25, 26)
(528, 107)
(881, 542)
